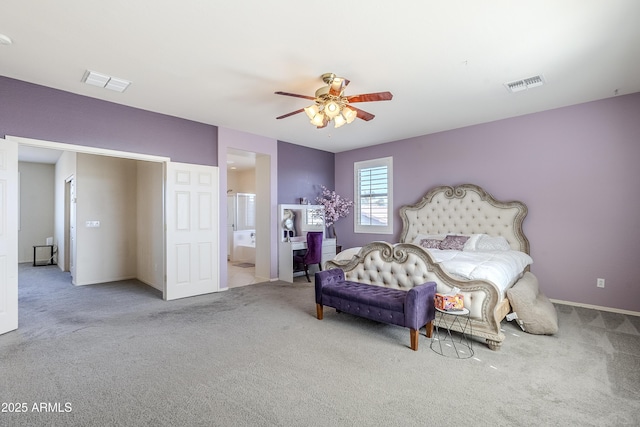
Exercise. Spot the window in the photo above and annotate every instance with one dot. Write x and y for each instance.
(373, 196)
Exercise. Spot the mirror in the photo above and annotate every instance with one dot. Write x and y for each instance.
(297, 220)
(313, 220)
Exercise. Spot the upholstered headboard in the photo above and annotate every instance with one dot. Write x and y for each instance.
(465, 209)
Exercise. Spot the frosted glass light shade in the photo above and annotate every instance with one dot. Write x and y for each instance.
(349, 114)
(331, 109)
(318, 119)
(311, 111)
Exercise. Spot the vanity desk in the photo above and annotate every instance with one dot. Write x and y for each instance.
(295, 221)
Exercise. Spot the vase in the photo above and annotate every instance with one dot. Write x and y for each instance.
(332, 232)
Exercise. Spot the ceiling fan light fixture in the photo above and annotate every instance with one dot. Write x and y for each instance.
(318, 119)
(349, 114)
(312, 110)
(330, 103)
(339, 120)
(331, 109)
(322, 92)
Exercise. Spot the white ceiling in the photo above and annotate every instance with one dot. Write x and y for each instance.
(31, 154)
(220, 63)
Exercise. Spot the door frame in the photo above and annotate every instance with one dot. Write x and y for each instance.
(61, 146)
(69, 224)
(266, 150)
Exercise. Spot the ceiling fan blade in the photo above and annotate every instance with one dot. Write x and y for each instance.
(337, 86)
(370, 97)
(295, 95)
(362, 114)
(284, 116)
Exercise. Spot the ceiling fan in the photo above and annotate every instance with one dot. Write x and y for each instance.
(330, 103)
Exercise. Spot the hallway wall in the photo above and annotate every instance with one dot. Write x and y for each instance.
(36, 207)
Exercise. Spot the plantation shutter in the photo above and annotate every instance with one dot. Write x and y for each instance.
(374, 195)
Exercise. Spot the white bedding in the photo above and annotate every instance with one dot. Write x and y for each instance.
(502, 268)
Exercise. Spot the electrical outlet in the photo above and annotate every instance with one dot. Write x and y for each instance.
(600, 283)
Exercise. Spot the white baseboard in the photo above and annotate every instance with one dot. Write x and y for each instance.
(596, 307)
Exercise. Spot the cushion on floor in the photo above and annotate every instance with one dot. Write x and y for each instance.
(536, 314)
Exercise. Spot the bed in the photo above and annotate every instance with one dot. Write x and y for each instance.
(465, 210)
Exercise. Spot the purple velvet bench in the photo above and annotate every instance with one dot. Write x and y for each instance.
(412, 309)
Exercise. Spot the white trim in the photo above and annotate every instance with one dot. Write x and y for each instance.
(596, 307)
(373, 229)
(86, 150)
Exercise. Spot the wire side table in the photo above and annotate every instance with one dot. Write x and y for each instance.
(445, 344)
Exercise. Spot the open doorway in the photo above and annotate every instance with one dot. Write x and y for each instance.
(121, 220)
(241, 218)
(119, 231)
(187, 263)
(266, 151)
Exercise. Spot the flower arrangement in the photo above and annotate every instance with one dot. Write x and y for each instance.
(335, 206)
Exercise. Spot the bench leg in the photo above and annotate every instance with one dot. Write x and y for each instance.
(319, 312)
(429, 329)
(414, 339)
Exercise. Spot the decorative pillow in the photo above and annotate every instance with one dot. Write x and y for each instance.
(489, 243)
(455, 243)
(421, 237)
(535, 313)
(430, 243)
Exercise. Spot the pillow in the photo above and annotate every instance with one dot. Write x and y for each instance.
(472, 242)
(430, 243)
(489, 243)
(535, 313)
(452, 242)
(421, 237)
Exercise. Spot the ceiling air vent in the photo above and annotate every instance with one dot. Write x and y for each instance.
(524, 84)
(107, 82)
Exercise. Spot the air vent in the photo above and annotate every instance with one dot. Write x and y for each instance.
(107, 82)
(524, 84)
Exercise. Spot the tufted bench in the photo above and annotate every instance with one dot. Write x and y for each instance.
(412, 309)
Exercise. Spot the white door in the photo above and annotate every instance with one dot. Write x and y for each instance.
(8, 236)
(192, 224)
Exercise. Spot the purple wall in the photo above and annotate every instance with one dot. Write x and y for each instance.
(38, 112)
(302, 171)
(577, 170)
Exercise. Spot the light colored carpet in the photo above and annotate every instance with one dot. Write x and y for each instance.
(257, 356)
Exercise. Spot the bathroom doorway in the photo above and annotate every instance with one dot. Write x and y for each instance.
(241, 217)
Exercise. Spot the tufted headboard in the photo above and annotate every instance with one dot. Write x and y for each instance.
(465, 209)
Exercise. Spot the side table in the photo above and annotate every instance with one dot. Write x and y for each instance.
(50, 255)
(444, 343)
